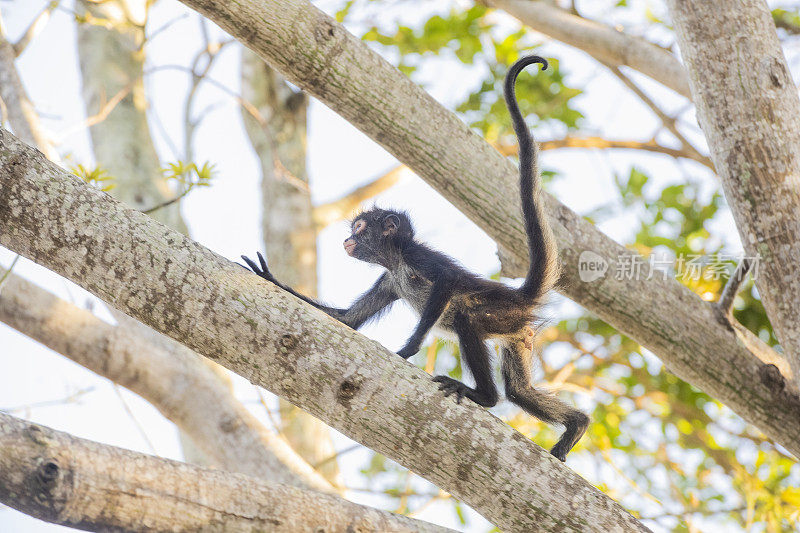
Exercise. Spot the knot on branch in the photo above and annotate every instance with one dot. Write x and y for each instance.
(325, 30)
(348, 389)
(287, 343)
(772, 378)
(48, 483)
(47, 474)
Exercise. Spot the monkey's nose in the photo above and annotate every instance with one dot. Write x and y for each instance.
(349, 245)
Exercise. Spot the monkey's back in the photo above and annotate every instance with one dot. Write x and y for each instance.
(493, 308)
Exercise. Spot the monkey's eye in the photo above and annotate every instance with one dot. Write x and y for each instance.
(359, 226)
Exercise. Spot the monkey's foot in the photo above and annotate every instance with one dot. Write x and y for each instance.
(576, 427)
(452, 386)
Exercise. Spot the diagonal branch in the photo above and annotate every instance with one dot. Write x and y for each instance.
(83, 484)
(602, 42)
(21, 114)
(165, 373)
(345, 206)
(252, 327)
(661, 314)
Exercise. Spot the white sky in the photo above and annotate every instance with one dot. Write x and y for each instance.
(226, 217)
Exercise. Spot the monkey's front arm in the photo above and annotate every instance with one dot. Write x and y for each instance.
(365, 307)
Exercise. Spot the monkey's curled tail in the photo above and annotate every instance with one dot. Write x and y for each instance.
(543, 269)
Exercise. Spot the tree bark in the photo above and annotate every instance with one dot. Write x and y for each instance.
(602, 42)
(273, 339)
(319, 55)
(167, 374)
(82, 484)
(748, 108)
(290, 238)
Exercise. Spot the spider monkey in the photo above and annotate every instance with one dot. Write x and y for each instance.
(452, 299)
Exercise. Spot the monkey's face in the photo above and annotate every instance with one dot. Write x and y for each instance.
(377, 235)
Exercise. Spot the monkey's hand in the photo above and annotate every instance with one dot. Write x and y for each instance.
(452, 386)
(263, 271)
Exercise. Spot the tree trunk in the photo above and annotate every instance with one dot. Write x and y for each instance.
(748, 108)
(74, 482)
(273, 339)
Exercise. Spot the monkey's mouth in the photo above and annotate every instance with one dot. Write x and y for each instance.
(350, 246)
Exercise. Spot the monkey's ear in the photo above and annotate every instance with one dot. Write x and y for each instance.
(391, 223)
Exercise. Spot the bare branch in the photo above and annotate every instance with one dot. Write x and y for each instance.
(669, 122)
(661, 314)
(101, 115)
(731, 289)
(603, 143)
(60, 479)
(275, 340)
(21, 114)
(326, 214)
(605, 43)
(35, 28)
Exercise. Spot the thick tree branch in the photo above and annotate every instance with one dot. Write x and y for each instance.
(165, 373)
(753, 133)
(86, 485)
(602, 42)
(319, 55)
(263, 333)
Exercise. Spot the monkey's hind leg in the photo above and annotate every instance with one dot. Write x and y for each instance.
(544, 406)
(475, 354)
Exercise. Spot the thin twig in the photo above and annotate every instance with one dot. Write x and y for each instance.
(135, 421)
(169, 202)
(728, 295)
(335, 456)
(101, 115)
(49, 403)
(326, 214)
(669, 122)
(601, 143)
(7, 273)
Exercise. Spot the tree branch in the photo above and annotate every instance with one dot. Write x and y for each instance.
(21, 113)
(603, 143)
(731, 289)
(662, 315)
(345, 206)
(35, 27)
(167, 374)
(602, 42)
(753, 134)
(74, 482)
(273, 339)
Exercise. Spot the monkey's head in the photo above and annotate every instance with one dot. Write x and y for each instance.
(378, 234)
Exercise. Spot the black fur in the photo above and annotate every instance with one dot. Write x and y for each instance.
(450, 298)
